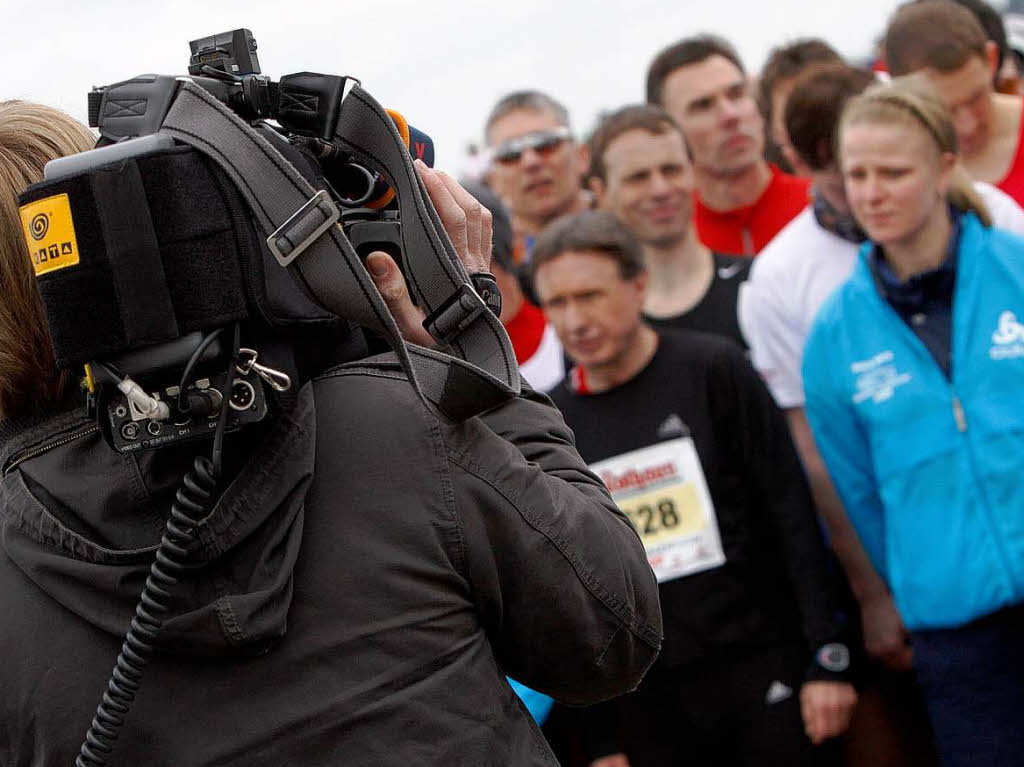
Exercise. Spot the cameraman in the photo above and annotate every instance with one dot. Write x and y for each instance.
(368, 576)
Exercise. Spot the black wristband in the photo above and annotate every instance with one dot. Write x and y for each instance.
(832, 662)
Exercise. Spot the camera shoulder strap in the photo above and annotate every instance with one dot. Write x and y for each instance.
(479, 369)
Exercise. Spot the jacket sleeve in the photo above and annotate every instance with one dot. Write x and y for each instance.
(844, 447)
(778, 481)
(560, 577)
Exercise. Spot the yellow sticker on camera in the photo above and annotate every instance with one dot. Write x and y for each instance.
(50, 233)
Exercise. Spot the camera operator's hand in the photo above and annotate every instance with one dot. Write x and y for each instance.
(468, 224)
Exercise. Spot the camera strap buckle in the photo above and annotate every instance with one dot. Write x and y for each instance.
(456, 314)
(316, 216)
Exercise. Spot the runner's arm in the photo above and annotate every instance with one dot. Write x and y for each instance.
(777, 479)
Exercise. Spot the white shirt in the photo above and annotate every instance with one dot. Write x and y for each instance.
(792, 277)
(546, 368)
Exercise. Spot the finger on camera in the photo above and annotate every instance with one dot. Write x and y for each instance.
(453, 217)
(475, 214)
(392, 288)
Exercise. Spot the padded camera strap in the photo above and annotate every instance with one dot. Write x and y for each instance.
(480, 371)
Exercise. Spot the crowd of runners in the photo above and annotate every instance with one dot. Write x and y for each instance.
(838, 540)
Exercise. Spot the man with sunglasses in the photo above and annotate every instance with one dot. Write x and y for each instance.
(742, 201)
(536, 165)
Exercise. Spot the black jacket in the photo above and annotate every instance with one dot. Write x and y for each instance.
(776, 586)
(361, 589)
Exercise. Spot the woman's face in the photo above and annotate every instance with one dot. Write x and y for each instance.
(894, 177)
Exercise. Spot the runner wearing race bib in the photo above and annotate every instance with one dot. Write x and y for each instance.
(754, 668)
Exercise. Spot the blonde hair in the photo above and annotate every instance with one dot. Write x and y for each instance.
(911, 101)
(30, 136)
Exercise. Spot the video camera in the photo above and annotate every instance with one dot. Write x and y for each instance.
(160, 236)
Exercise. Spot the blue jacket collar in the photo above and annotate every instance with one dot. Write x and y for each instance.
(968, 232)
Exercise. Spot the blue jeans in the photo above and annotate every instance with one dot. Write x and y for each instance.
(973, 681)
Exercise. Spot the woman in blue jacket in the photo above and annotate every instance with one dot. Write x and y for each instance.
(914, 373)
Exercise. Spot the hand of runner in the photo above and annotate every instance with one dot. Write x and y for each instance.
(612, 760)
(885, 637)
(468, 224)
(826, 708)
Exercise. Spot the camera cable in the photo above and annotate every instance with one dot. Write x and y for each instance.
(194, 501)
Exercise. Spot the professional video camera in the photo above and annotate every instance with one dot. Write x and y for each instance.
(156, 164)
(223, 218)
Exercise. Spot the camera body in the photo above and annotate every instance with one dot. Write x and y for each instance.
(300, 112)
(224, 199)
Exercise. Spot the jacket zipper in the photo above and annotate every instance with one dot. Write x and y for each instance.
(958, 415)
(960, 419)
(40, 449)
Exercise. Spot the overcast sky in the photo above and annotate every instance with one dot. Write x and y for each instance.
(442, 63)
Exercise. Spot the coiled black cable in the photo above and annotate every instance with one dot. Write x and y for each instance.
(193, 502)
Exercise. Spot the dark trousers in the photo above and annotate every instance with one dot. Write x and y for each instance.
(734, 713)
(973, 681)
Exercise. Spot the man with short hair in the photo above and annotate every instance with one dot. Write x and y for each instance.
(784, 66)
(946, 44)
(742, 201)
(754, 667)
(536, 166)
(640, 171)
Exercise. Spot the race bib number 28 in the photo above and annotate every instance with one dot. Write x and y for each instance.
(663, 491)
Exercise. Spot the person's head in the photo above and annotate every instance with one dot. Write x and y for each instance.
(30, 136)
(898, 152)
(946, 43)
(785, 65)
(992, 23)
(640, 171)
(536, 166)
(588, 274)
(701, 83)
(812, 118)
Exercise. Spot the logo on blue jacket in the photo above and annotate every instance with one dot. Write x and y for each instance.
(877, 378)
(1008, 339)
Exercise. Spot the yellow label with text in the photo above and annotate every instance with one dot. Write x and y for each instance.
(50, 233)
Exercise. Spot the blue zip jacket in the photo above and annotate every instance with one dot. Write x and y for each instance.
(930, 470)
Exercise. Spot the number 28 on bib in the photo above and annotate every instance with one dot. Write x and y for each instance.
(662, 490)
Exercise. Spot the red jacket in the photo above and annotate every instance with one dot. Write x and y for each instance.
(745, 231)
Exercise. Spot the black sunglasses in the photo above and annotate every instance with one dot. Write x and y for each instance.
(542, 142)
